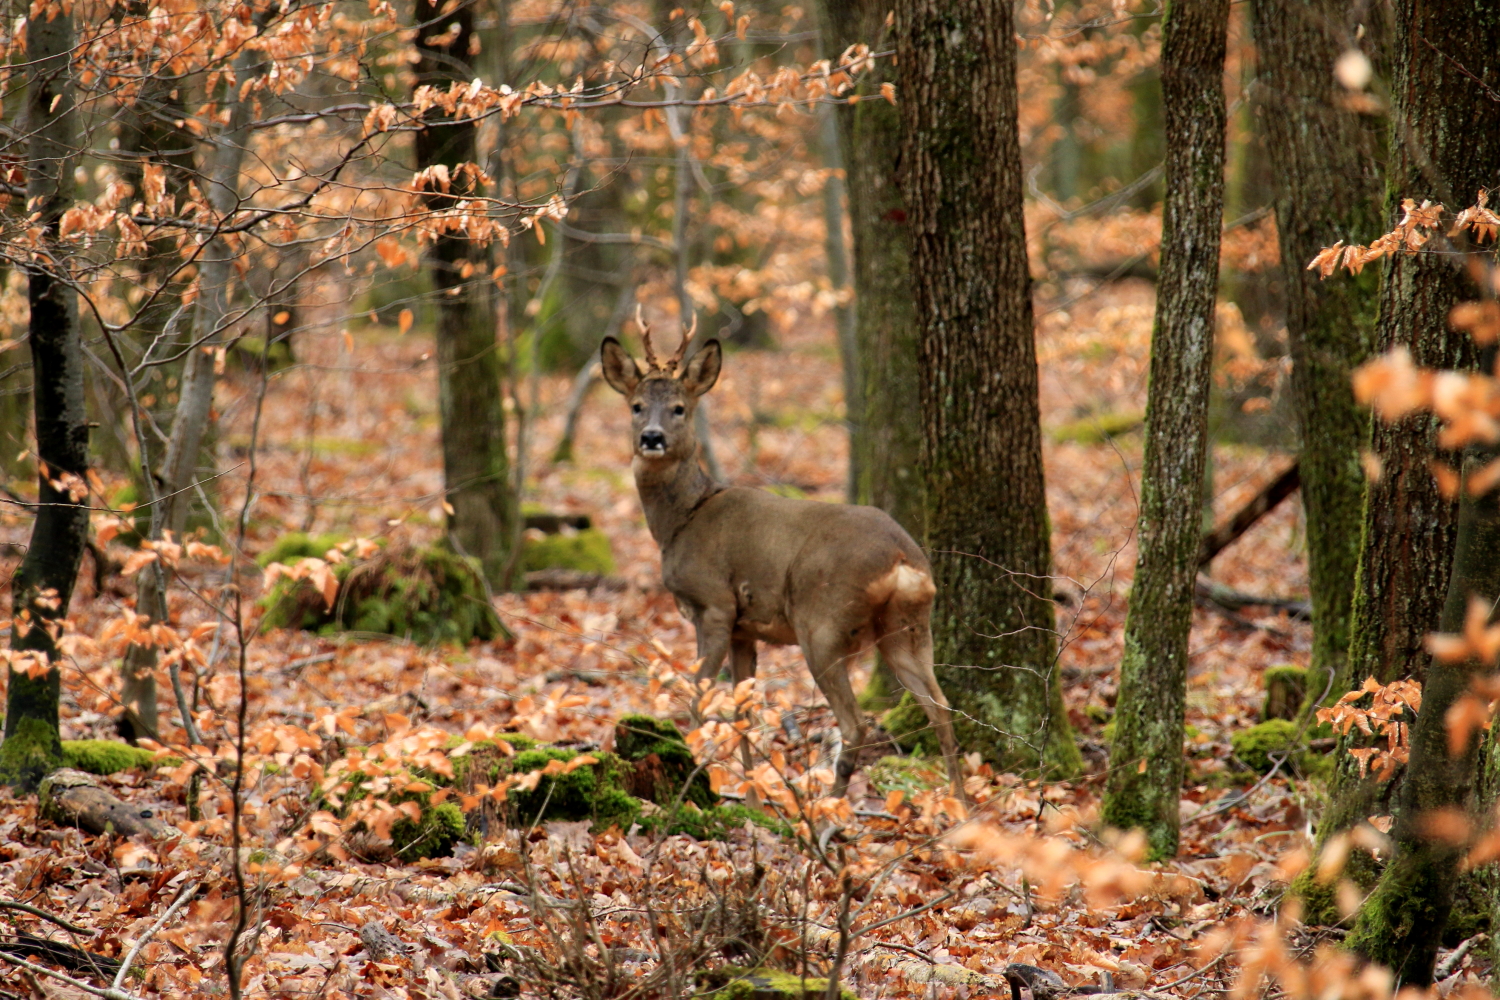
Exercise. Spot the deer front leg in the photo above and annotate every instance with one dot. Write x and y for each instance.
(714, 628)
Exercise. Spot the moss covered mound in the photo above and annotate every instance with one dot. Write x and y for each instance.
(432, 836)
(909, 727)
(661, 762)
(713, 823)
(736, 983)
(586, 551)
(593, 792)
(428, 595)
(294, 545)
(1262, 745)
(105, 756)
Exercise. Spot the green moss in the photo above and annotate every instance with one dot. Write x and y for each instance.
(908, 726)
(1286, 687)
(905, 774)
(249, 353)
(428, 595)
(29, 754)
(738, 983)
(713, 823)
(432, 836)
(592, 792)
(1097, 428)
(1255, 745)
(295, 545)
(104, 756)
(787, 490)
(663, 764)
(586, 551)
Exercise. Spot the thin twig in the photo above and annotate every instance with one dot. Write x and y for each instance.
(140, 942)
(11, 904)
(108, 992)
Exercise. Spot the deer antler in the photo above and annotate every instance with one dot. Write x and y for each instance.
(646, 339)
(687, 338)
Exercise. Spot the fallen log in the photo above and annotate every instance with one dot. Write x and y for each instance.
(1244, 519)
(73, 798)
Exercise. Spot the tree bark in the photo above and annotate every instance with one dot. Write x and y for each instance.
(43, 585)
(476, 469)
(1145, 760)
(1444, 143)
(1420, 552)
(988, 530)
(1328, 159)
(885, 446)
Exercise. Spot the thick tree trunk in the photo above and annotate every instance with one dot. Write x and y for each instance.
(1444, 144)
(1420, 554)
(886, 439)
(1145, 761)
(43, 585)
(1328, 160)
(476, 470)
(988, 531)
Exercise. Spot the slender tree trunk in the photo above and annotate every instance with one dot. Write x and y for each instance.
(1401, 923)
(993, 621)
(886, 444)
(836, 252)
(43, 585)
(1444, 144)
(1331, 190)
(1145, 760)
(1420, 553)
(476, 473)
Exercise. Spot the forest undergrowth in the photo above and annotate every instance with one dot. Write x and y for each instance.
(926, 900)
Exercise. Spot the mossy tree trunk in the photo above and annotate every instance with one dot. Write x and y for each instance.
(43, 585)
(882, 392)
(886, 436)
(1444, 144)
(987, 528)
(1145, 761)
(1328, 162)
(1401, 923)
(476, 468)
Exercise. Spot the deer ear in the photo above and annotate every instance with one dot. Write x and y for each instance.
(620, 369)
(703, 370)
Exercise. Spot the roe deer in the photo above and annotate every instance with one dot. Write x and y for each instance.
(746, 565)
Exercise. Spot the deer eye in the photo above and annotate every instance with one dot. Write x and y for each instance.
(678, 410)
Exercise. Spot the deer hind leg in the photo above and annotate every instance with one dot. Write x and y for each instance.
(828, 651)
(909, 652)
(742, 666)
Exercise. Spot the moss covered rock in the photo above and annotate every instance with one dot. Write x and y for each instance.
(1098, 428)
(295, 545)
(909, 727)
(662, 762)
(104, 756)
(1286, 686)
(428, 595)
(586, 551)
(432, 836)
(737, 983)
(713, 823)
(593, 792)
(1257, 745)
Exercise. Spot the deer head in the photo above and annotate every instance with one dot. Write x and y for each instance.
(662, 395)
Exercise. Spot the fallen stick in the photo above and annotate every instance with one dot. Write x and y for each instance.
(1260, 505)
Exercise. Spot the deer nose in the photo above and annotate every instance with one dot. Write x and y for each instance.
(653, 441)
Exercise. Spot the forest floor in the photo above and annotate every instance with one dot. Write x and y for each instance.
(347, 443)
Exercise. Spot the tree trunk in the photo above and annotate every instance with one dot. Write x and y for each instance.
(1444, 142)
(1328, 160)
(476, 474)
(1145, 760)
(1401, 923)
(43, 585)
(988, 531)
(1420, 554)
(836, 253)
(885, 446)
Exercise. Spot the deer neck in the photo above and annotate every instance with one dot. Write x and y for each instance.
(670, 493)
